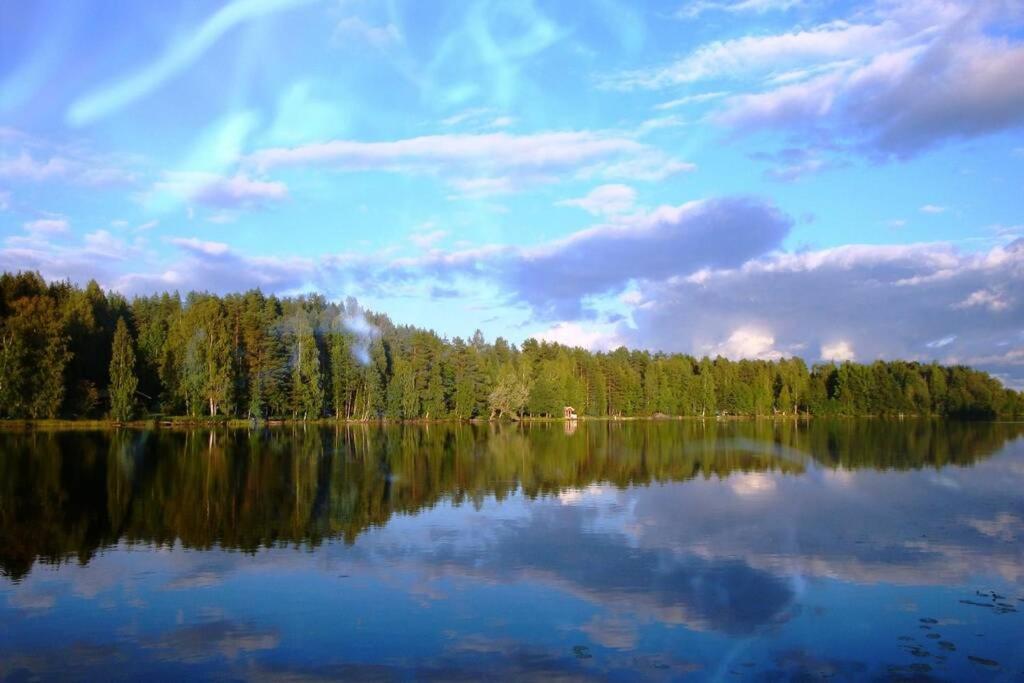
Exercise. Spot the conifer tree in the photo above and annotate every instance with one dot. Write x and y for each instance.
(308, 384)
(123, 381)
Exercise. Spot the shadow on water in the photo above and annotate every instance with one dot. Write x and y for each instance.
(65, 495)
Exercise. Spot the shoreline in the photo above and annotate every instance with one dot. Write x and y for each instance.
(241, 423)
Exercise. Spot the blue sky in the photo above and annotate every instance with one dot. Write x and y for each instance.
(754, 178)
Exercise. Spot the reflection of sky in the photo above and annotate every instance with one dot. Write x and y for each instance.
(754, 573)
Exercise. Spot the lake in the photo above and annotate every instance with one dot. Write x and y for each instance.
(670, 550)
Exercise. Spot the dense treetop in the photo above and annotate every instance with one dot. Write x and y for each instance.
(251, 355)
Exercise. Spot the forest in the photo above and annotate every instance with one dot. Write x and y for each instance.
(86, 353)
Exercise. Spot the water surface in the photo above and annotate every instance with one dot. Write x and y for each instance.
(642, 550)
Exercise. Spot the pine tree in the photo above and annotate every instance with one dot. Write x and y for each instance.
(375, 379)
(433, 400)
(464, 372)
(707, 402)
(307, 392)
(343, 373)
(123, 381)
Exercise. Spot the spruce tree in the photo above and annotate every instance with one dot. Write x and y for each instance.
(123, 381)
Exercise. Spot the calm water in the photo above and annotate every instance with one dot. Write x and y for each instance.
(847, 551)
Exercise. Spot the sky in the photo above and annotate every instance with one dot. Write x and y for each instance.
(750, 178)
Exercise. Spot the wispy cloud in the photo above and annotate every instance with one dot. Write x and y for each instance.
(239, 191)
(47, 226)
(694, 8)
(691, 99)
(604, 200)
(427, 235)
(473, 158)
(178, 56)
(25, 167)
(762, 54)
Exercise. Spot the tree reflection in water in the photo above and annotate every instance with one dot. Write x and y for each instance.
(65, 495)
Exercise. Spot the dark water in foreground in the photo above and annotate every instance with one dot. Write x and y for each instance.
(739, 551)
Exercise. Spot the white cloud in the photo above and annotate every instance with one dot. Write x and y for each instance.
(199, 246)
(985, 298)
(793, 163)
(537, 151)
(216, 267)
(87, 170)
(102, 243)
(694, 8)
(595, 337)
(690, 99)
(487, 162)
(660, 123)
(427, 237)
(465, 115)
(747, 342)
(605, 200)
(830, 298)
(933, 209)
(47, 226)
(632, 298)
(238, 191)
(837, 351)
(891, 80)
(916, 77)
(939, 343)
(25, 167)
(741, 57)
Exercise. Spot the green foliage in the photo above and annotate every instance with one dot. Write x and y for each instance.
(123, 381)
(33, 356)
(307, 389)
(253, 355)
(510, 393)
(344, 374)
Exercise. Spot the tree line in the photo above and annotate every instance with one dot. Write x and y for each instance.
(73, 352)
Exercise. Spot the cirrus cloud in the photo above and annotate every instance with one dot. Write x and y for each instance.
(604, 200)
(224, 192)
(485, 163)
